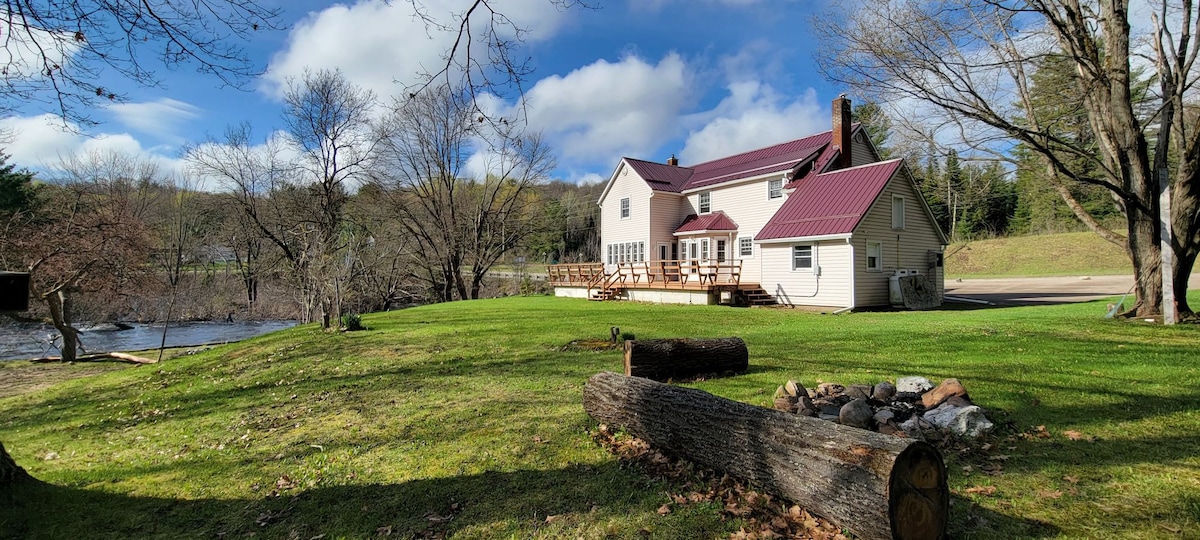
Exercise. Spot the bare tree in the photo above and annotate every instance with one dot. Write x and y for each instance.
(965, 66)
(58, 53)
(89, 235)
(329, 120)
(257, 181)
(461, 224)
(483, 55)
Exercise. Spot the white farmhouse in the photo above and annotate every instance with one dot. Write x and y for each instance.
(817, 221)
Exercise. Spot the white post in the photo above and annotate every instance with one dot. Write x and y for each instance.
(1168, 255)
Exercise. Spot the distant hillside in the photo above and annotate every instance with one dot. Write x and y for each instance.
(1082, 253)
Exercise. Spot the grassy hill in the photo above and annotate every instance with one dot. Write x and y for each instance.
(464, 419)
(1067, 254)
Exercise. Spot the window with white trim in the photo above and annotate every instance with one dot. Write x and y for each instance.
(625, 208)
(626, 252)
(775, 188)
(746, 246)
(897, 212)
(705, 202)
(875, 256)
(704, 249)
(803, 257)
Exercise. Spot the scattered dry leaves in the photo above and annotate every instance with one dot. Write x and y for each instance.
(981, 490)
(1077, 436)
(764, 517)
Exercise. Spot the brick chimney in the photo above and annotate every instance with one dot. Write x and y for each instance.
(841, 131)
(673, 161)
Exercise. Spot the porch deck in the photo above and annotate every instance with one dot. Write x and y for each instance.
(688, 275)
(667, 281)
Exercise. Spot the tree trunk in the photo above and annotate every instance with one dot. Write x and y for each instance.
(877, 486)
(10, 472)
(59, 302)
(662, 359)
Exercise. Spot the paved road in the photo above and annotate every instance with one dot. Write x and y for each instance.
(1045, 290)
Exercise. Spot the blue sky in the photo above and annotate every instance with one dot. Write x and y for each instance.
(699, 79)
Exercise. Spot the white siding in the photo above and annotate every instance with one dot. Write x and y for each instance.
(902, 249)
(747, 205)
(635, 228)
(830, 286)
(665, 210)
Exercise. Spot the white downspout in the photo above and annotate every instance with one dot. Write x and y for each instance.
(853, 271)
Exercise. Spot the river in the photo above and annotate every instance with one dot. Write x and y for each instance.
(19, 341)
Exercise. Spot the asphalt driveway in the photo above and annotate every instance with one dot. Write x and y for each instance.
(1044, 290)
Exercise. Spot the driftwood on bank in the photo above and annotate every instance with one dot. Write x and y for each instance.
(10, 472)
(663, 359)
(877, 486)
(120, 357)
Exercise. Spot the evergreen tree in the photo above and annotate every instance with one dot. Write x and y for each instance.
(17, 192)
(877, 124)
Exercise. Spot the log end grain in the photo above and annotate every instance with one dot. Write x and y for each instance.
(918, 494)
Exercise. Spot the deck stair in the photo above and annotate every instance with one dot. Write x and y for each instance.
(752, 294)
(604, 294)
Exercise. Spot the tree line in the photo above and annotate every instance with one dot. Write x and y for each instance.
(357, 206)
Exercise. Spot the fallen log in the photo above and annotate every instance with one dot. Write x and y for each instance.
(877, 486)
(120, 357)
(10, 472)
(663, 359)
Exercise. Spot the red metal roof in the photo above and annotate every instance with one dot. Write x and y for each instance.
(659, 176)
(716, 221)
(829, 203)
(775, 158)
(780, 157)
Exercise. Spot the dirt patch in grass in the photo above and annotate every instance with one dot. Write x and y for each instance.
(21, 377)
(18, 377)
(590, 345)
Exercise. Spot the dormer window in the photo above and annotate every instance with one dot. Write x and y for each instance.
(775, 188)
(705, 202)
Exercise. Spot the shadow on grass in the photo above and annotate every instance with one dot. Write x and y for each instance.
(504, 504)
(969, 520)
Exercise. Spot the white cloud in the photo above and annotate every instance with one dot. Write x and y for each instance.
(25, 51)
(384, 47)
(41, 143)
(604, 109)
(160, 118)
(754, 115)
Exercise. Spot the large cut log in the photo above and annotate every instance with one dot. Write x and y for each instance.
(877, 486)
(10, 472)
(663, 359)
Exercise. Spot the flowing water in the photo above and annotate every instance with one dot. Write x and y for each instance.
(22, 340)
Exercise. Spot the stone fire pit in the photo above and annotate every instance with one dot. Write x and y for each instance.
(912, 407)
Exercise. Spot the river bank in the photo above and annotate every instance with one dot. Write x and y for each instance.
(22, 341)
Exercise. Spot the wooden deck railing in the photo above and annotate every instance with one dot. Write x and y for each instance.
(581, 274)
(675, 274)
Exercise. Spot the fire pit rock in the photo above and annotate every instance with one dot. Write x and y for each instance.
(912, 407)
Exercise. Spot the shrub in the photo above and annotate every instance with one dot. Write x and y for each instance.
(352, 322)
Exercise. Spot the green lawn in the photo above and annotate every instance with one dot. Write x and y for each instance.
(1066, 254)
(465, 418)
